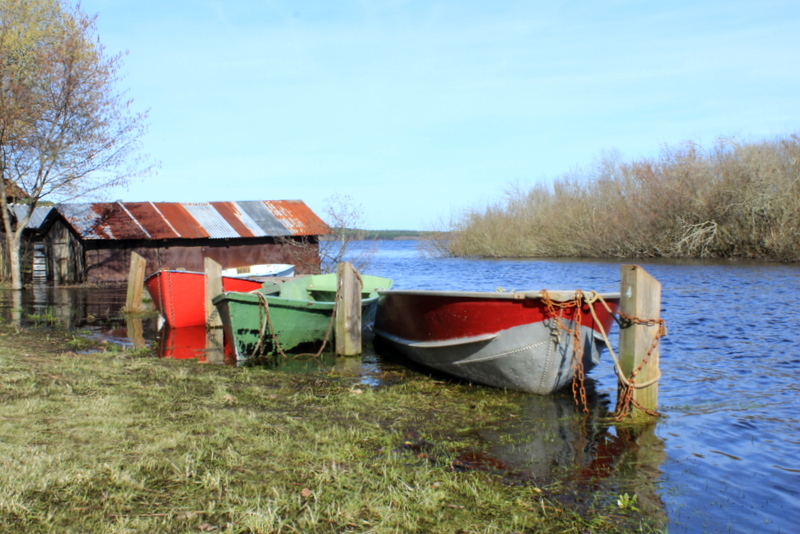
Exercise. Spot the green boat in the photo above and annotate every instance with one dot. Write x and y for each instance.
(292, 316)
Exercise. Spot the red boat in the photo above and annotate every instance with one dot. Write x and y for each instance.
(180, 296)
(521, 340)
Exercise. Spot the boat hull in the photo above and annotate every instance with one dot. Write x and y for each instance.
(504, 340)
(298, 312)
(180, 296)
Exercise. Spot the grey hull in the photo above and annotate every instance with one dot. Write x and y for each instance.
(534, 358)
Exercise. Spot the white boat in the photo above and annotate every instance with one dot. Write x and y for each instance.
(260, 270)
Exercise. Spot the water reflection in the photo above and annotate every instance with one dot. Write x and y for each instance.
(212, 346)
(588, 455)
(193, 342)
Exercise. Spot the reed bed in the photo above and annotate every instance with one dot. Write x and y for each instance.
(734, 200)
(122, 442)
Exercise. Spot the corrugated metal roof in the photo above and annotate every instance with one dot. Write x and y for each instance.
(37, 217)
(171, 220)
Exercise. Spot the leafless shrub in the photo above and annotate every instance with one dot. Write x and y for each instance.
(732, 200)
(346, 219)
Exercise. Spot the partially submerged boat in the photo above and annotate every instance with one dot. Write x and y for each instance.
(294, 315)
(522, 340)
(180, 296)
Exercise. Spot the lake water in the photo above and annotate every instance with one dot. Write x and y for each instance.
(725, 456)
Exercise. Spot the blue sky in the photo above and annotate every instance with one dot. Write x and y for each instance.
(419, 110)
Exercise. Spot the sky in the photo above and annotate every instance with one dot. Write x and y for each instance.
(420, 110)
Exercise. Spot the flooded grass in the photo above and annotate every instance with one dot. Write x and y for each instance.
(119, 441)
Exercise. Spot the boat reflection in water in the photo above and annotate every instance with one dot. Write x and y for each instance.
(551, 439)
(194, 342)
(211, 346)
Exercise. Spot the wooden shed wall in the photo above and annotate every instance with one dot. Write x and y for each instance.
(64, 255)
(72, 261)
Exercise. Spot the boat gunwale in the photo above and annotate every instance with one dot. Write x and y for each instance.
(276, 300)
(556, 295)
(177, 271)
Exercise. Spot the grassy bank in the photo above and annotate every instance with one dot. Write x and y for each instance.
(122, 442)
(734, 200)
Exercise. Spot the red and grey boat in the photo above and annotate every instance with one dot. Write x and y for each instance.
(521, 340)
(180, 296)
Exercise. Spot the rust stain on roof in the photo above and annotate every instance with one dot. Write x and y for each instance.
(181, 220)
(230, 212)
(151, 220)
(175, 220)
(114, 222)
(297, 217)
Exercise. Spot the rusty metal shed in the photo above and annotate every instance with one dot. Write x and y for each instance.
(92, 242)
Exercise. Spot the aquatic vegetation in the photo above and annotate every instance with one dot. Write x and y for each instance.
(627, 502)
(81, 343)
(46, 317)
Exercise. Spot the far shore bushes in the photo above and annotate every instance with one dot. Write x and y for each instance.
(734, 200)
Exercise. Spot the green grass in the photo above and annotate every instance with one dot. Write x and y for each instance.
(117, 442)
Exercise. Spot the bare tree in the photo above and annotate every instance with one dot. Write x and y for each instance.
(65, 129)
(320, 254)
(346, 219)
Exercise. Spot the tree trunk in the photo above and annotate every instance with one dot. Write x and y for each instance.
(12, 244)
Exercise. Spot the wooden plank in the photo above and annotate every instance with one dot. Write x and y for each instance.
(347, 325)
(640, 299)
(133, 301)
(213, 272)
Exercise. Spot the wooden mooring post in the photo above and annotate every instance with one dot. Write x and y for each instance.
(347, 324)
(213, 272)
(133, 300)
(638, 346)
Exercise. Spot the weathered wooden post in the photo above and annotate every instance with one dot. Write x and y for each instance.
(640, 307)
(348, 310)
(213, 272)
(133, 301)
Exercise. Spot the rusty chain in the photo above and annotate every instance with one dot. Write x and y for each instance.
(627, 387)
(556, 311)
(171, 300)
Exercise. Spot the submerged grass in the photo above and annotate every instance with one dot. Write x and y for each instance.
(115, 442)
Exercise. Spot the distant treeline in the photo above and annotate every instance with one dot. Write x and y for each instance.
(354, 233)
(734, 200)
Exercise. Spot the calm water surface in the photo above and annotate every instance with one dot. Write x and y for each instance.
(724, 458)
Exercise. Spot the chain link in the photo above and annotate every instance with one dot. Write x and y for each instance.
(556, 311)
(171, 303)
(625, 400)
(628, 385)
